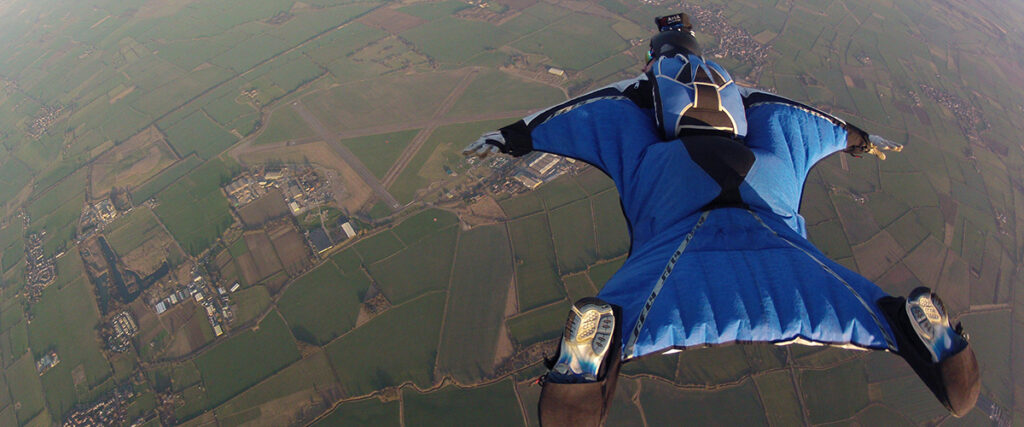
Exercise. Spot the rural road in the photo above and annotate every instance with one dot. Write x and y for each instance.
(346, 155)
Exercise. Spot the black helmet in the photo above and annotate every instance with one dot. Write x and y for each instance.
(672, 42)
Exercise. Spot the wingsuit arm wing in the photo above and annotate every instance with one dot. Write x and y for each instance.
(607, 128)
(855, 142)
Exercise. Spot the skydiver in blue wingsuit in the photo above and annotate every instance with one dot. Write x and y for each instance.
(710, 175)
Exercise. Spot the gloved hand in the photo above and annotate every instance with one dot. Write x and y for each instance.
(860, 142)
(877, 144)
(490, 142)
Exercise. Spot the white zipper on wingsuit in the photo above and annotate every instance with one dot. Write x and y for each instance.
(635, 334)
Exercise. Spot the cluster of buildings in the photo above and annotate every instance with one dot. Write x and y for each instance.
(966, 113)
(321, 240)
(46, 362)
(123, 328)
(40, 270)
(110, 410)
(302, 187)
(734, 42)
(47, 116)
(217, 304)
(253, 95)
(95, 217)
(528, 172)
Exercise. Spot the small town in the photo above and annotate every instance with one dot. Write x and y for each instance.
(119, 338)
(969, 116)
(733, 41)
(40, 270)
(47, 116)
(107, 411)
(216, 302)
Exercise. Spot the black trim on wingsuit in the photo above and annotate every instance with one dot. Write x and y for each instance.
(725, 160)
(517, 135)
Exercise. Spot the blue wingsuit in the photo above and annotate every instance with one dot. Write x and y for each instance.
(719, 252)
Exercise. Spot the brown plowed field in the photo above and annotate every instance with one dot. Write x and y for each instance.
(291, 249)
(262, 253)
(391, 20)
(268, 207)
(248, 266)
(131, 163)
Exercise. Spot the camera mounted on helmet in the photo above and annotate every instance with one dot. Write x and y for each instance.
(675, 36)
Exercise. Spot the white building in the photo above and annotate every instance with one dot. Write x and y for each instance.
(349, 231)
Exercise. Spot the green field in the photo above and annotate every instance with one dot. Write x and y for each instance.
(348, 261)
(131, 231)
(575, 44)
(265, 351)
(25, 388)
(390, 98)
(496, 92)
(69, 268)
(522, 205)
(14, 343)
(713, 365)
(378, 247)
(57, 210)
(659, 365)
(537, 280)
(198, 134)
(165, 178)
(560, 192)
(834, 394)
(912, 397)
(541, 324)
(735, 405)
(322, 304)
(432, 11)
(782, 407)
(601, 273)
(379, 152)
(368, 412)
(423, 224)
(284, 124)
(578, 286)
(408, 354)
(444, 147)
(313, 372)
(476, 303)
(454, 41)
(493, 404)
(251, 302)
(610, 225)
(12, 245)
(571, 229)
(194, 208)
(341, 42)
(65, 321)
(422, 267)
(990, 338)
